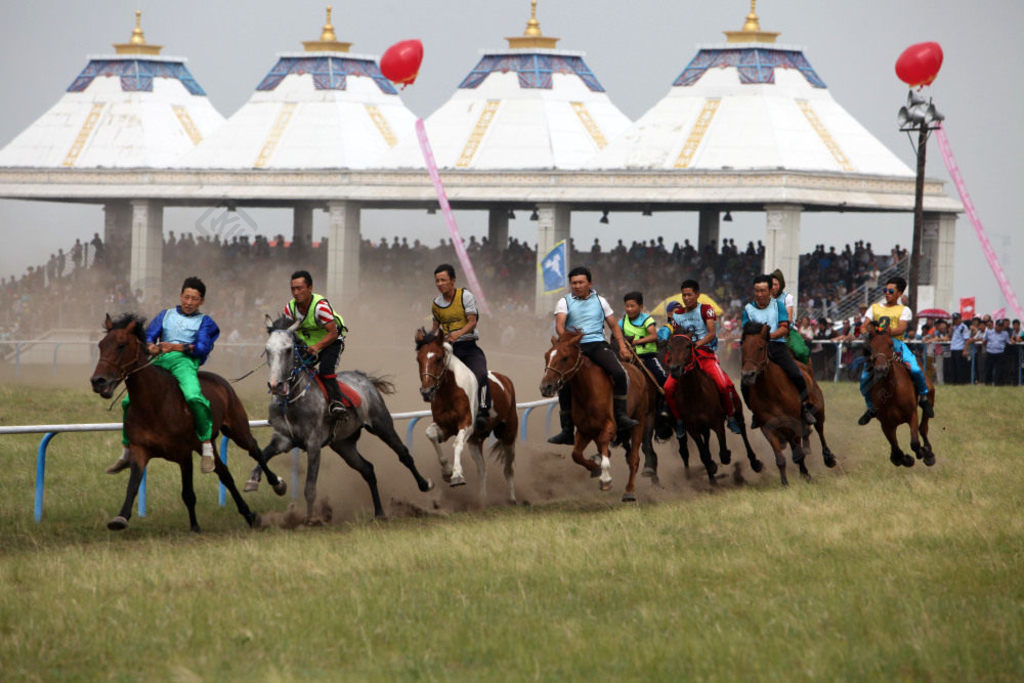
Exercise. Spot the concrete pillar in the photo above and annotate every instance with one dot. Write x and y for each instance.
(938, 242)
(343, 240)
(782, 245)
(497, 228)
(707, 229)
(117, 234)
(302, 224)
(147, 249)
(552, 227)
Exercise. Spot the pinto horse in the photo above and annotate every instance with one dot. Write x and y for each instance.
(774, 400)
(895, 399)
(592, 415)
(700, 406)
(451, 389)
(159, 424)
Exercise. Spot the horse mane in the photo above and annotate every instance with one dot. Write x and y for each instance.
(126, 319)
(282, 322)
(752, 328)
(428, 338)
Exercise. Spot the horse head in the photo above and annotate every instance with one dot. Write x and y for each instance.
(754, 351)
(122, 351)
(880, 348)
(681, 355)
(561, 362)
(281, 354)
(432, 360)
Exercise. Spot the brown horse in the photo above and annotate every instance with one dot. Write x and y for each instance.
(565, 364)
(892, 392)
(700, 405)
(451, 389)
(774, 400)
(159, 424)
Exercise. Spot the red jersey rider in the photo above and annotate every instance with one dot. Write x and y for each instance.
(699, 322)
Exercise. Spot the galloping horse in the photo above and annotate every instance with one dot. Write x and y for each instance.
(774, 400)
(158, 423)
(451, 389)
(299, 416)
(564, 363)
(894, 397)
(700, 406)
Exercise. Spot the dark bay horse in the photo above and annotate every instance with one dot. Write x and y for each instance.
(776, 403)
(451, 389)
(700, 405)
(159, 424)
(565, 364)
(298, 414)
(895, 399)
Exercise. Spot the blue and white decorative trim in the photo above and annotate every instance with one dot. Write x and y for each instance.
(534, 68)
(755, 65)
(329, 73)
(136, 74)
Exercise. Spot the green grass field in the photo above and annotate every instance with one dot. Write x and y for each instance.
(867, 572)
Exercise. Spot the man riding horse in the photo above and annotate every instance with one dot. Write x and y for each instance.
(180, 339)
(455, 315)
(893, 317)
(322, 330)
(698, 321)
(772, 312)
(586, 310)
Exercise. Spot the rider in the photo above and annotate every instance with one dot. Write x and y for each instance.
(772, 312)
(323, 331)
(455, 314)
(640, 330)
(794, 341)
(893, 317)
(587, 311)
(180, 339)
(698, 321)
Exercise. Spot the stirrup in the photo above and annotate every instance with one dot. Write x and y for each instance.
(336, 408)
(867, 416)
(926, 407)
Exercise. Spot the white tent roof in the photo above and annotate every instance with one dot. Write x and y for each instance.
(313, 110)
(519, 109)
(750, 106)
(123, 111)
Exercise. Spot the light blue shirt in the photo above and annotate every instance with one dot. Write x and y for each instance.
(960, 335)
(586, 315)
(692, 323)
(771, 315)
(995, 342)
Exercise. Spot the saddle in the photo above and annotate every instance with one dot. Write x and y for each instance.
(349, 396)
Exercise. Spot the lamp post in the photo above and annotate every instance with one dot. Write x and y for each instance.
(918, 115)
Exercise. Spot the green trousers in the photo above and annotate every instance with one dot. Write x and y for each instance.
(185, 369)
(798, 346)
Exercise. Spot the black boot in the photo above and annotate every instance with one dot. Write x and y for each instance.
(564, 437)
(335, 405)
(866, 417)
(926, 407)
(623, 422)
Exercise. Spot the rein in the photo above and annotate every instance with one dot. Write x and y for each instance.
(760, 365)
(122, 376)
(438, 379)
(689, 367)
(564, 377)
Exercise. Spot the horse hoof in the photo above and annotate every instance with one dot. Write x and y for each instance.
(427, 485)
(929, 459)
(314, 521)
(118, 523)
(726, 457)
(908, 461)
(280, 489)
(830, 459)
(628, 497)
(712, 467)
(606, 486)
(649, 472)
(798, 458)
(250, 486)
(756, 465)
(254, 521)
(457, 481)
(447, 476)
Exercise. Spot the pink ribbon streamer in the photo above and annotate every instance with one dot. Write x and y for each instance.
(449, 218)
(965, 197)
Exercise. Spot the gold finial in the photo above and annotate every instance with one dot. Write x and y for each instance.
(532, 36)
(751, 31)
(137, 45)
(328, 40)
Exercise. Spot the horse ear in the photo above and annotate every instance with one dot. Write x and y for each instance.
(420, 333)
(269, 322)
(295, 325)
(108, 323)
(131, 325)
(554, 339)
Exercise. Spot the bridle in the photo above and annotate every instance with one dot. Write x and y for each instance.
(438, 379)
(119, 369)
(889, 356)
(564, 377)
(688, 367)
(300, 367)
(761, 364)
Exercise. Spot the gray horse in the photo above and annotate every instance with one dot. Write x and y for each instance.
(298, 414)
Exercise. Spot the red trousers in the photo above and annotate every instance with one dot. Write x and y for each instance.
(708, 362)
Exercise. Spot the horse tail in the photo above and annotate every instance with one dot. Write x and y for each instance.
(381, 384)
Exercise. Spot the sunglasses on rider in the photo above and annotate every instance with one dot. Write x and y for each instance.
(890, 290)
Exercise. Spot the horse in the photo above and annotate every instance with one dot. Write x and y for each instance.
(565, 364)
(451, 389)
(774, 400)
(159, 424)
(700, 406)
(299, 417)
(893, 394)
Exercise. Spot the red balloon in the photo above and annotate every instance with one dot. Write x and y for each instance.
(919, 64)
(401, 62)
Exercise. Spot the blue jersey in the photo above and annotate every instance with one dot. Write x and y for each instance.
(771, 315)
(587, 316)
(692, 323)
(198, 329)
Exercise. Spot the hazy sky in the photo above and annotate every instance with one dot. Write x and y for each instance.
(636, 49)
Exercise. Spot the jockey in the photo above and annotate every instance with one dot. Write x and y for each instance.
(323, 331)
(698, 321)
(455, 314)
(893, 317)
(640, 330)
(587, 311)
(794, 341)
(772, 312)
(183, 337)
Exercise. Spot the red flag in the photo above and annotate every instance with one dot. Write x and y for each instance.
(967, 307)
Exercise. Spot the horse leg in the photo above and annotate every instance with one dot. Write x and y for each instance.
(436, 437)
(251, 518)
(929, 455)
(120, 521)
(799, 456)
(702, 437)
(724, 454)
(604, 450)
(506, 453)
(826, 452)
(245, 440)
(592, 465)
(188, 491)
(915, 438)
(476, 450)
(776, 444)
(458, 445)
(387, 434)
(346, 448)
(279, 443)
(896, 456)
(633, 458)
(312, 473)
(755, 464)
(684, 453)
(650, 459)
